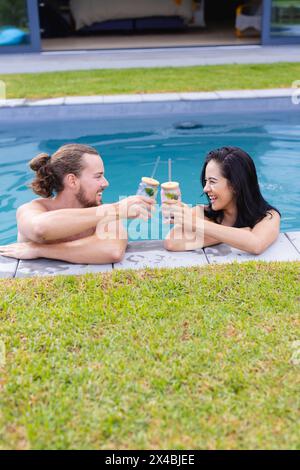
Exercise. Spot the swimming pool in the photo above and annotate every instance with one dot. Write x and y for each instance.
(130, 145)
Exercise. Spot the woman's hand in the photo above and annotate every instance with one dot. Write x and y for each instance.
(181, 215)
(23, 250)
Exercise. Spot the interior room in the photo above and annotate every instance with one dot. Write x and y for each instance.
(98, 24)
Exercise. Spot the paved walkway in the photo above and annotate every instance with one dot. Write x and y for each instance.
(151, 254)
(158, 57)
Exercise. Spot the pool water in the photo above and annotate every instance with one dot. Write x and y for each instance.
(130, 146)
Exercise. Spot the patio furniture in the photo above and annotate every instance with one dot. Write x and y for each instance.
(248, 19)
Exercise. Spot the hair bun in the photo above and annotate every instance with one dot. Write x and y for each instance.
(39, 161)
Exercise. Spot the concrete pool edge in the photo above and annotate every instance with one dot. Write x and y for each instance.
(83, 108)
(151, 254)
(151, 97)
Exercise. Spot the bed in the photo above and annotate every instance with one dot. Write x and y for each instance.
(89, 12)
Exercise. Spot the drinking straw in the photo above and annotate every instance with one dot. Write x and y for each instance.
(155, 167)
(170, 169)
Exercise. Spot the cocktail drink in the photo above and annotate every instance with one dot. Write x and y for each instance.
(148, 187)
(170, 192)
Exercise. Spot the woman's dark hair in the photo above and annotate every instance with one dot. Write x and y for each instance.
(239, 169)
(50, 171)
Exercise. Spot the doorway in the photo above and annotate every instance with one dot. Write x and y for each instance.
(65, 25)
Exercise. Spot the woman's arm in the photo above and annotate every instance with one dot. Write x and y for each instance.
(253, 241)
(182, 238)
(207, 233)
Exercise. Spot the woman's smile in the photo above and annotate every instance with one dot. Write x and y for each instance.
(212, 198)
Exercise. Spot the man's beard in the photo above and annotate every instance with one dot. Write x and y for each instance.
(84, 201)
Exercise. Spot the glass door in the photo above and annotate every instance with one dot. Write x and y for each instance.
(19, 26)
(281, 22)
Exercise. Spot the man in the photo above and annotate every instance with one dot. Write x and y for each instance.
(69, 222)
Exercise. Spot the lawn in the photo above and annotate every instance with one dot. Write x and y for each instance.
(154, 359)
(152, 80)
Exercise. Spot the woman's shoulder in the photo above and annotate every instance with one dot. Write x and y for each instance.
(272, 213)
(271, 219)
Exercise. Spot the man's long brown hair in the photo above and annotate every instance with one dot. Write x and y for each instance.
(51, 170)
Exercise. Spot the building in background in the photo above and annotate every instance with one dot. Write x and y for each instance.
(49, 25)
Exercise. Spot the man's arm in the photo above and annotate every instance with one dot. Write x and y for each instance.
(89, 250)
(40, 225)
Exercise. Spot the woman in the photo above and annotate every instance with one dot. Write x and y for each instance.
(237, 213)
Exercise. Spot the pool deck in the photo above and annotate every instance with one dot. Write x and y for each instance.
(147, 57)
(151, 254)
(150, 104)
(112, 101)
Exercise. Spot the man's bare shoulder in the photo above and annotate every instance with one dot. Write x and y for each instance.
(25, 212)
(40, 205)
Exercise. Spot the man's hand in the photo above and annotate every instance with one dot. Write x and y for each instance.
(24, 250)
(135, 207)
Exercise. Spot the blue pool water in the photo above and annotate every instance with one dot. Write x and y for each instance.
(130, 146)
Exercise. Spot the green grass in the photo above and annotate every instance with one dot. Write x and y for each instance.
(185, 358)
(155, 80)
